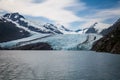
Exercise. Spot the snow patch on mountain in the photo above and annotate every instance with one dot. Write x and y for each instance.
(101, 26)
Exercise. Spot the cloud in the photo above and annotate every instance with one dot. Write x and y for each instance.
(61, 11)
(105, 13)
(51, 9)
(101, 16)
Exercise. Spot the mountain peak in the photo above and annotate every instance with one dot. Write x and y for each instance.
(13, 16)
(92, 26)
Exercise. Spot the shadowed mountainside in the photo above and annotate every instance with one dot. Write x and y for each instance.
(9, 31)
(110, 42)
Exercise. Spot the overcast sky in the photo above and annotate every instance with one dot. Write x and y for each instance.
(73, 14)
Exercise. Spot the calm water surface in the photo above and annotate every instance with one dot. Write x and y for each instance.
(59, 65)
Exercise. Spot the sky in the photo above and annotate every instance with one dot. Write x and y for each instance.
(73, 14)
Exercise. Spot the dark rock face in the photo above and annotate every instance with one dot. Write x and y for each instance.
(35, 46)
(91, 30)
(110, 42)
(9, 31)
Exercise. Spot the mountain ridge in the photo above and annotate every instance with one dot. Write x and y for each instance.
(49, 28)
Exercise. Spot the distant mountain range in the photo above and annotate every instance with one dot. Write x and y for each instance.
(20, 20)
(14, 26)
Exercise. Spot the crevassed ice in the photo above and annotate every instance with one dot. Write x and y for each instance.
(60, 42)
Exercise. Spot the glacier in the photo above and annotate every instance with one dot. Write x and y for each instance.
(71, 41)
(14, 43)
(58, 42)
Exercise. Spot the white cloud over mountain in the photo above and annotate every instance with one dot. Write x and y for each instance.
(57, 10)
(51, 9)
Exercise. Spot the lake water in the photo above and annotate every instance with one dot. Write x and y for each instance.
(59, 65)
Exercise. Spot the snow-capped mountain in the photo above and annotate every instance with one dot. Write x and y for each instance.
(23, 32)
(95, 28)
(65, 30)
(46, 28)
(49, 28)
(92, 29)
(21, 27)
(52, 28)
(21, 21)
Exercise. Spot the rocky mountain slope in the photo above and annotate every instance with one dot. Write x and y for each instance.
(111, 41)
(9, 31)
